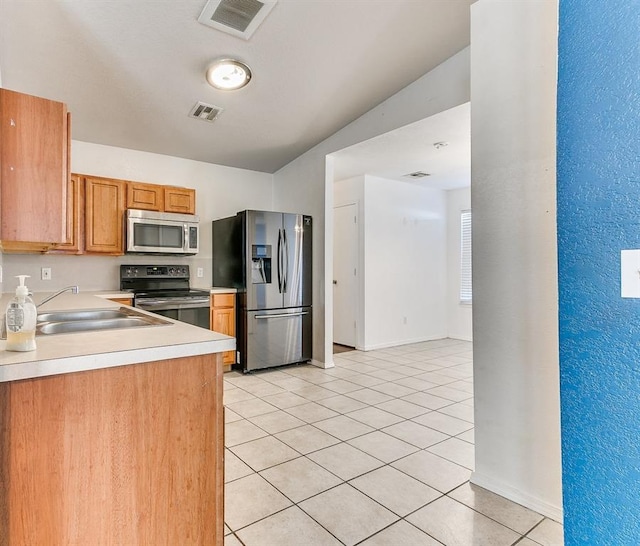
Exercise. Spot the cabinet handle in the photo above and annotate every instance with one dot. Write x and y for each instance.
(12, 123)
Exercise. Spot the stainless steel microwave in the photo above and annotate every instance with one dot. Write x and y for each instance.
(151, 232)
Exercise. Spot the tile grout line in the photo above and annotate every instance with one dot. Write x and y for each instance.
(374, 429)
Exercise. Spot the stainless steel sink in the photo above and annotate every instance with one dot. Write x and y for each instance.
(85, 314)
(66, 322)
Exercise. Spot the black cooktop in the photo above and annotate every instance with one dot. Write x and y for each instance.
(158, 281)
(171, 293)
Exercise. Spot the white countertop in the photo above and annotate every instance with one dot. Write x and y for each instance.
(222, 290)
(82, 351)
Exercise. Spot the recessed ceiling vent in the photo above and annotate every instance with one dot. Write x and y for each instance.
(417, 174)
(205, 112)
(236, 17)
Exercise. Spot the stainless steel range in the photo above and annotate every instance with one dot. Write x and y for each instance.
(164, 289)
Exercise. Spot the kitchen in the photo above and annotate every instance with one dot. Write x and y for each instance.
(287, 194)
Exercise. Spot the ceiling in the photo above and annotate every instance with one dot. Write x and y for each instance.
(130, 71)
(411, 148)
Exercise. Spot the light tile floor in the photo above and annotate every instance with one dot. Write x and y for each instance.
(376, 451)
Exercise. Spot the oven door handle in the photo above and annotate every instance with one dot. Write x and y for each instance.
(165, 305)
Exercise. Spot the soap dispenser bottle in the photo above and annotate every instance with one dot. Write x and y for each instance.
(21, 320)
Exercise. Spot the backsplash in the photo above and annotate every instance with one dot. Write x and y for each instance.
(90, 273)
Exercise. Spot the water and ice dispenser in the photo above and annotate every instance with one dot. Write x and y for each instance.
(261, 264)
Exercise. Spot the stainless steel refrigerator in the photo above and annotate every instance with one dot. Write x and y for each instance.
(266, 256)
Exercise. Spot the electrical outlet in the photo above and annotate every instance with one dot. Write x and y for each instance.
(200, 272)
(45, 273)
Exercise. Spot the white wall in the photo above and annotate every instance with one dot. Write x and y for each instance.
(405, 263)
(513, 198)
(220, 191)
(402, 275)
(306, 184)
(459, 320)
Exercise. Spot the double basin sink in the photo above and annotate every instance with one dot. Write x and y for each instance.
(87, 320)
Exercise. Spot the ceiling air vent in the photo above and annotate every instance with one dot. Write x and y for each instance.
(237, 17)
(417, 174)
(205, 112)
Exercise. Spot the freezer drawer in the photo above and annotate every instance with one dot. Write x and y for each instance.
(277, 337)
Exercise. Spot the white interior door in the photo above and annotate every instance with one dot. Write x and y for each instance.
(345, 261)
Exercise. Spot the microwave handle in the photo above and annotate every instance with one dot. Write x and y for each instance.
(185, 238)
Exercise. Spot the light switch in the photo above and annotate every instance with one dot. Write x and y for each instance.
(630, 273)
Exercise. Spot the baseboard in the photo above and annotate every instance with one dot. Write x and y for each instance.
(401, 342)
(324, 365)
(461, 338)
(528, 501)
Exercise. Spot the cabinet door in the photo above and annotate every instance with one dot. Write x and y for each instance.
(223, 320)
(145, 197)
(34, 163)
(104, 215)
(179, 200)
(75, 218)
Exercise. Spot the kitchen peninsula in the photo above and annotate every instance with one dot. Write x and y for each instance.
(112, 436)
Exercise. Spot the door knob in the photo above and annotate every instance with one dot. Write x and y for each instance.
(335, 282)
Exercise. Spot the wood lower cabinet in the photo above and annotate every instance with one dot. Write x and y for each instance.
(123, 301)
(34, 172)
(105, 203)
(127, 455)
(223, 320)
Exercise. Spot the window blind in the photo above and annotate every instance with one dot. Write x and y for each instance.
(465, 256)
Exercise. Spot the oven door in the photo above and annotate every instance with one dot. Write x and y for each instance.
(192, 311)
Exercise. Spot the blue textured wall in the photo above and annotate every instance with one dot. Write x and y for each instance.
(599, 215)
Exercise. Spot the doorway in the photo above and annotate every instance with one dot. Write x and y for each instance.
(345, 273)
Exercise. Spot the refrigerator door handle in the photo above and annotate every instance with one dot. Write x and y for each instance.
(285, 260)
(279, 261)
(282, 315)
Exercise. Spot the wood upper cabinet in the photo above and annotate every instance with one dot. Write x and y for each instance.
(145, 196)
(105, 203)
(75, 218)
(161, 198)
(34, 171)
(179, 200)
(223, 321)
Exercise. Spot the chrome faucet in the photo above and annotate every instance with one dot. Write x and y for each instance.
(3, 322)
(73, 289)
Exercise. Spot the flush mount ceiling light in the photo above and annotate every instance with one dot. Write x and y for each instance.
(228, 74)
